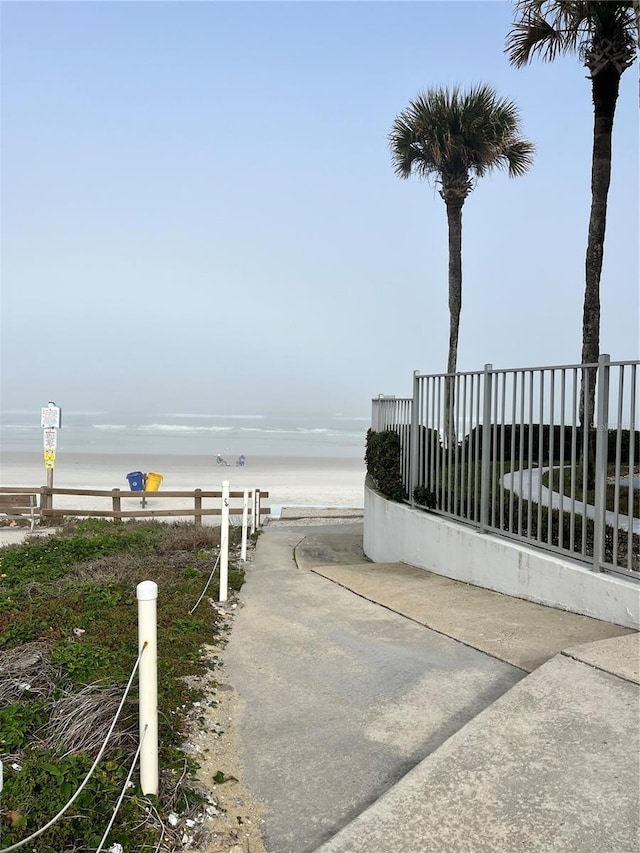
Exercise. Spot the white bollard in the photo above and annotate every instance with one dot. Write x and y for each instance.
(253, 512)
(147, 595)
(245, 515)
(224, 543)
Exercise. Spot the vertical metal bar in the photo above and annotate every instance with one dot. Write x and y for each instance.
(456, 452)
(478, 462)
(632, 453)
(512, 447)
(408, 421)
(585, 463)
(448, 411)
(441, 503)
(433, 439)
(404, 421)
(616, 496)
(602, 407)
(540, 454)
(464, 497)
(574, 461)
(551, 458)
(485, 473)
(414, 459)
(561, 475)
(521, 435)
(494, 450)
(502, 430)
(530, 494)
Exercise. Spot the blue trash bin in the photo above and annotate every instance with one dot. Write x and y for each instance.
(136, 481)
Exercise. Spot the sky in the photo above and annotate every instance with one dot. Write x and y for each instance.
(199, 211)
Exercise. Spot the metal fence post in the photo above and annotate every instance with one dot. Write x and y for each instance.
(602, 446)
(485, 470)
(375, 414)
(413, 439)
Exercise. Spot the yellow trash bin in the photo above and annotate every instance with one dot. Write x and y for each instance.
(153, 481)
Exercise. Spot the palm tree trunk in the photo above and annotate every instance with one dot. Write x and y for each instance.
(454, 220)
(605, 95)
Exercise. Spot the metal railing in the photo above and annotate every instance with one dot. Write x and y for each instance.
(505, 451)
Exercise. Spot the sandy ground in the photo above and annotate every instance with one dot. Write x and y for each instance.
(233, 820)
(289, 480)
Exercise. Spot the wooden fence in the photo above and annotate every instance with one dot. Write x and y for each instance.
(195, 501)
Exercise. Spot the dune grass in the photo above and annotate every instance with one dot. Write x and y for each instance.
(68, 643)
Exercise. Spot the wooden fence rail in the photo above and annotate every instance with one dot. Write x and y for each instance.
(197, 511)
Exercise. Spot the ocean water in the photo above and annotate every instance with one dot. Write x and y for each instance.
(230, 435)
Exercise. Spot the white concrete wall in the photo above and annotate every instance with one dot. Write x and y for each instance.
(394, 532)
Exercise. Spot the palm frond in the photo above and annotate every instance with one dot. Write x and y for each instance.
(519, 157)
(548, 28)
(453, 135)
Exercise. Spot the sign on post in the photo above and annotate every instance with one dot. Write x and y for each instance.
(50, 435)
(50, 421)
(51, 416)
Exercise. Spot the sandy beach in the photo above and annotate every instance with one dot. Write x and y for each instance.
(290, 480)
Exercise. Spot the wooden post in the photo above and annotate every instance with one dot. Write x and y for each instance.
(197, 506)
(115, 500)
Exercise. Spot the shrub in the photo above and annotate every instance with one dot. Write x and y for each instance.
(383, 463)
(424, 497)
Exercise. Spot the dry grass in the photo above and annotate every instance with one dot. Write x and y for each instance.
(26, 671)
(80, 719)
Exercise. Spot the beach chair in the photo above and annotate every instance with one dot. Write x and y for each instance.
(220, 460)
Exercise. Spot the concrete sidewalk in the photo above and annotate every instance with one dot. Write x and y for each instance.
(387, 709)
(518, 632)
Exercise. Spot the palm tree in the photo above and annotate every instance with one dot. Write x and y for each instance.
(455, 137)
(603, 34)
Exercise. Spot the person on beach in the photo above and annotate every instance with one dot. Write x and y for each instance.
(221, 460)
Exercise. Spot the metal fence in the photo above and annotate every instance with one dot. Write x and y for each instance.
(505, 451)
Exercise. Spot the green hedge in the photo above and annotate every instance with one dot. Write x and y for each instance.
(383, 463)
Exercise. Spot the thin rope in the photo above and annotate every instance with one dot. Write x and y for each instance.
(122, 793)
(54, 819)
(206, 587)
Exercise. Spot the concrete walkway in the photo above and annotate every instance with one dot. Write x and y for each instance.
(527, 483)
(386, 710)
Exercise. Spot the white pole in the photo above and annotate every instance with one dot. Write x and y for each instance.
(147, 595)
(245, 514)
(258, 515)
(253, 512)
(224, 542)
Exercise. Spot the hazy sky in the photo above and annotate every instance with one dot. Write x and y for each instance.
(199, 211)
